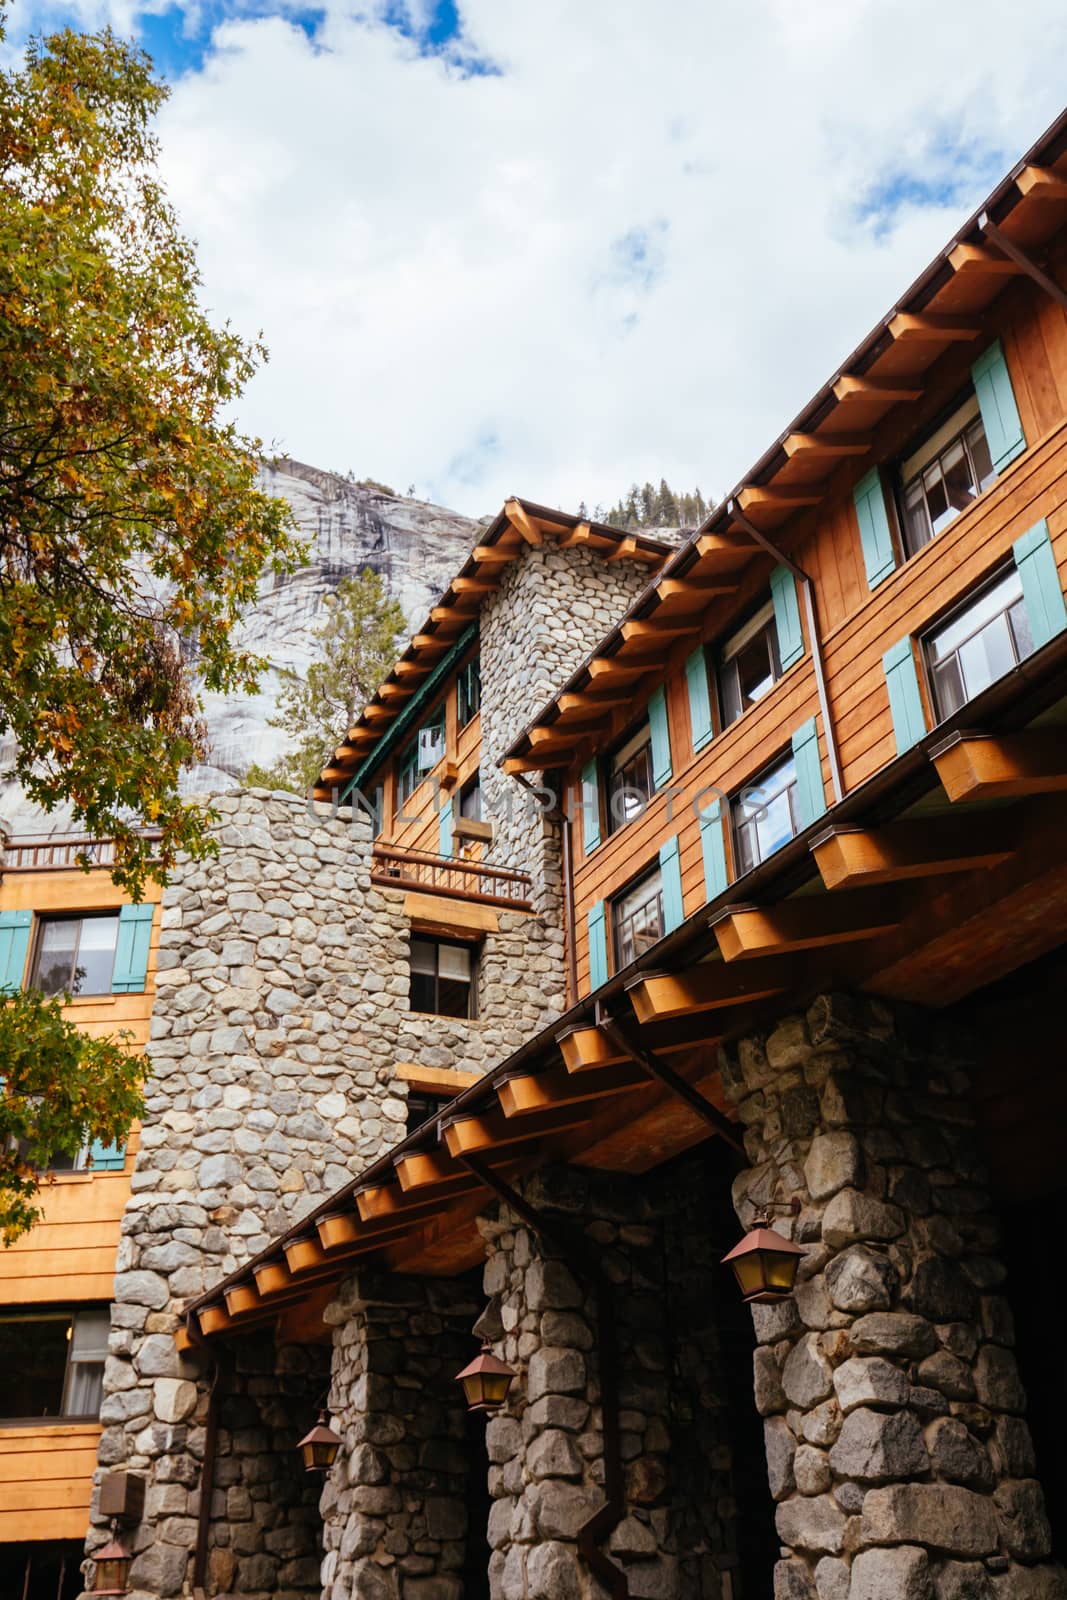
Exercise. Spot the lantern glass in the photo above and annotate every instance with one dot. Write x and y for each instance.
(765, 1266)
(113, 1565)
(319, 1447)
(486, 1391)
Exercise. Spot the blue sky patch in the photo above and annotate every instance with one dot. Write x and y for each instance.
(178, 39)
(952, 171)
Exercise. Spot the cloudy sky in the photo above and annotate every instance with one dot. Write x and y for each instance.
(547, 249)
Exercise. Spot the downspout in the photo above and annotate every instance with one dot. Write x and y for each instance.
(207, 1470)
(808, 590)
(559, 814)
(596, 1528)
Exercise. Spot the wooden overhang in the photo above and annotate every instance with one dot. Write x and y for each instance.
(944, 872)
(845, 428)
(521, 523)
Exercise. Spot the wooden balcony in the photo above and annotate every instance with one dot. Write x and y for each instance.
(58, 853)
(394, 867)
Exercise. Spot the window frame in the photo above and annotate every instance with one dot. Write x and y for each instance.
(649, 875)
(933, 443)
(470, 674)
(957, 612)
(42, 921)
(636, 740)
(471, 1014)
(408, 762)
(787, 758)
(762, 620)
(69, 1316)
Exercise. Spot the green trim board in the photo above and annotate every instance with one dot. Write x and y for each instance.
(1035, 561)
(397, 729)
(14, 948)
(670, 869)
(130, 972)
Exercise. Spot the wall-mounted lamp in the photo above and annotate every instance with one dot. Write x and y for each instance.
(319, 1447)
(765, 1262)
(486, 1381)
(113, 1565)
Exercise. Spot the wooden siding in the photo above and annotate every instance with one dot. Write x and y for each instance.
(69, 1257)
(463, 749)
(46, 1480)
(857, 626)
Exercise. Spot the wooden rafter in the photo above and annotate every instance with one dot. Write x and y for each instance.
(808, 922)
(923, 848)
(977, 766)
(522, 523)
(708, 986)
(528, 1094)
(492, 1130)
(981, 261)
(828, 446)
(766, 497)
(857, 385)
(926, 327)
(1041, 183)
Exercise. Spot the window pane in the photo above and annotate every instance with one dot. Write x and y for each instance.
(55, 956)
(980, 611)
(454, 962)
(948, 687)
(1019, 619)
(89, 1339)
(764, 815)
(423, 995)
(986, 657)
(96, 955)
(937, 498)
(453, 998)
(918, 524)
(979, 448)
(755, 669)
(33, 1361)
(731, 697)
(84, 1389)
(959, 485)
(423, 956)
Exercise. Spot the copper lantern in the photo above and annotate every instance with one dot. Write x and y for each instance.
(765, 1266)
(113, 1565)
(486, 1381)
(319, 1447)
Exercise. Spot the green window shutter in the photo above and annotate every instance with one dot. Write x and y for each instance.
(670, 868)
(811, 795)
(876, 537)
(661, 739)
(598, 947)
(905, 701)
(713, 848)
(996, 401)
(590, 807)
(131, 950)
(786, 616)
(107, 1157)
(696, 678)
(444, 829)
(14, 948)
(1036, 562)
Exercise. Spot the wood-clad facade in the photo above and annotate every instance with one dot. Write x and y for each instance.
(66, 1264)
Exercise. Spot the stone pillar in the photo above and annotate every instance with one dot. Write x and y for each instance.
(676, 1535)
(896, 1447)
(394, 1508)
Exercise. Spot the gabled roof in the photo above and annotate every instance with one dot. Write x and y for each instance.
(520, 524)
(839, 428)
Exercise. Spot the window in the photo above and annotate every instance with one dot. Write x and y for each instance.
(52, 1363)
(470, 799)
(442, 978)
(940, 479)
(630, 781)
(75, 955)
(637, 918)
(422, 1108)
(42, 1569)
(469, 691)
(979, 644)
(766, 815)
(750, 664)
(423, 754)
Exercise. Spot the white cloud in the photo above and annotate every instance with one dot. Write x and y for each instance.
(636, 251)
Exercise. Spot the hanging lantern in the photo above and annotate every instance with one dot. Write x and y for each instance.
(486, 1381)
(319, 1447)
(113, 1565)
(765, 1265)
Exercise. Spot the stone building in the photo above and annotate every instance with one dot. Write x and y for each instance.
(656, 896)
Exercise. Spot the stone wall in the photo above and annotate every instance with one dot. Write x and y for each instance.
(677, 1536)
(897, 1449)
(394, 1509)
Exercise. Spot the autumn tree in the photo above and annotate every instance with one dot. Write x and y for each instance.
(355, 646)
(132, 532)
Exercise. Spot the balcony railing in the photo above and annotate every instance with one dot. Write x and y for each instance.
(58, 854)
(396, 868)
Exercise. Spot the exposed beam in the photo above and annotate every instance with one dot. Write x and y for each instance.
(625, 550)
(1040, 183)
(214, 1319)
(382, 1202)
(923, 848)
(808, 922)
(612, 667)
(925, 327)
(426, 1169)
(554, 734)
(765, 496)
(339, 1229)
(636, 630)
(396, 691)
(982, 262)
(471, 586)
(854, 384)
(243, 1299)
(584, 701)
(977, 766)
(576, 535)
(522, 523)
(495, 555)
(530, 1093)
(699, 590)
(815, 446)
(429, 641)
(435, 1080)
(1022, 261)
(415, 669)
(448, 616)
(494, 1131)
(274, 1277)
(707, 987)
(304, 1255)
(585, 1049)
